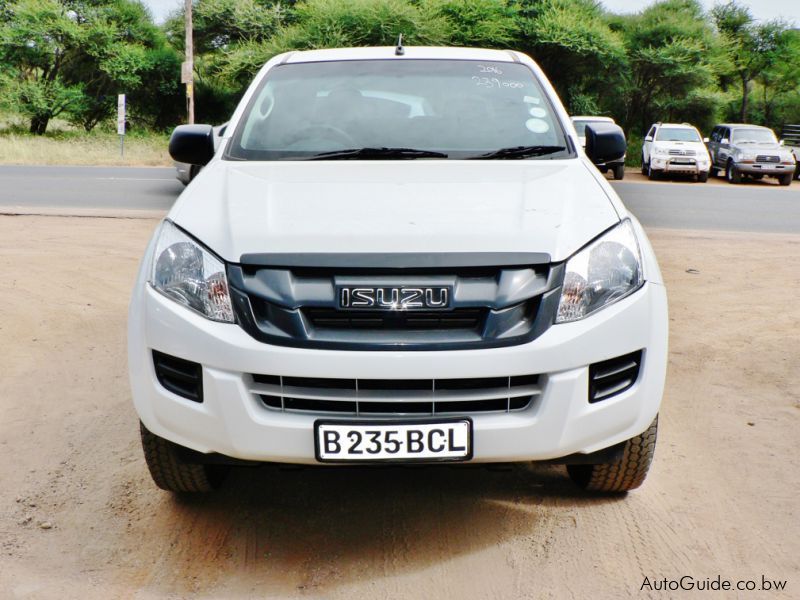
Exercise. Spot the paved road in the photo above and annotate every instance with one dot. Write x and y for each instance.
(714, 207)
(670, 205)
(145, 188)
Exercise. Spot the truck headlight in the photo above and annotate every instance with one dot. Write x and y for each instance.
(660, 152)
(603, 272)
(189, 274)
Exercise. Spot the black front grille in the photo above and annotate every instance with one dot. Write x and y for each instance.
(179, 376)
(460, 318)
(490, 306)
(768, 158)
(612, 377)
(396, 396)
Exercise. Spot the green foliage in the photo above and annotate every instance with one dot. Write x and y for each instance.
(670, 48)
(574, 45)
(335, 24)
(481, 23)
(75, 56)
(755, 49)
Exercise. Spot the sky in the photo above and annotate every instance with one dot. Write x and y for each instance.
(788, 10)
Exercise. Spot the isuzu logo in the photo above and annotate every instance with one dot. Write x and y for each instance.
(394, 298)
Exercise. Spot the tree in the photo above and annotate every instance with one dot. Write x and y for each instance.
(125, 52)
(37, 43)
(72, 57)
(572, 42)
(672, 53)
(481, 23)
(753, 48)
(331, 24)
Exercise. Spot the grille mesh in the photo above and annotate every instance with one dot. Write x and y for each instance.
(396, 397)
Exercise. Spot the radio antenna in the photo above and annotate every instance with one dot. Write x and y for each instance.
(399, 51)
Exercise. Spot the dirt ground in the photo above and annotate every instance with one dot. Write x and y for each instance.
(80, 518)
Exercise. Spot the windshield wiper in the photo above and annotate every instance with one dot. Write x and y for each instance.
(377, 153)
(520, 152)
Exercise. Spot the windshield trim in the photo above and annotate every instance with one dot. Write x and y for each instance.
(570, 151)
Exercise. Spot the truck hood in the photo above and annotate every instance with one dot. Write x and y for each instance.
(759, 147)
(432, 206)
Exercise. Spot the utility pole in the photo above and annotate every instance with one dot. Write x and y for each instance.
(187, 72)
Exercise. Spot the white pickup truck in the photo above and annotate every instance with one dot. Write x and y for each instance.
(398, 255)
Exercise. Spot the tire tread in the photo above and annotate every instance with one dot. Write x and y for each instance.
(167, 469)
(627, 474)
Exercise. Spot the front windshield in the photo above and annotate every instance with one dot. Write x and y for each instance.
(743, 136)
(677, 134)
(453, 108)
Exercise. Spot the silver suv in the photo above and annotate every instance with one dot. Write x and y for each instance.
(752, 151)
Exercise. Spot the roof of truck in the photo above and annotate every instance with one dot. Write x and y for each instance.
(389, 52)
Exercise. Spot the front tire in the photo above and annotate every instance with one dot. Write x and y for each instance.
(172, 473)
(702, 177)
(732, 174)
(652, 174)
(627, 474)
(619, 172)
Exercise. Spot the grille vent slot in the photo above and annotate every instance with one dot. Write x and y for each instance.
(179, 376)
(614, 376)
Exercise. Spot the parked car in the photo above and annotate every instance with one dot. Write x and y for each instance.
(791, 138)
(741, 150)
(186, 172)
(617, 167)
(398, 256)
(675, 148)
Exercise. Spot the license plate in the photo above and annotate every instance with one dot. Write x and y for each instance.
(382, 441)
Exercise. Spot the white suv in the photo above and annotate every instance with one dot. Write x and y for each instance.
(675, 148)
(398, 255)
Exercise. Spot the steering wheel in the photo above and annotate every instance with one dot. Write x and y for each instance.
(325, 130)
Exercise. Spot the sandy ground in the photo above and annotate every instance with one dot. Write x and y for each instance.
(80, 518)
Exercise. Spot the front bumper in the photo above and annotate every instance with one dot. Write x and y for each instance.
(233, 421)
(764, 168)
(679, 165)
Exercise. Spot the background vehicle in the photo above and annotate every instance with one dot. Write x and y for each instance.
(186, 172)
(398, 255)
(674, 148)
(617, 167)
(741, 150)
(790, 135)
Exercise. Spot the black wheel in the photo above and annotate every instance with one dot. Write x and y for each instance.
(652, 174)
(619, 172)
(627, 474)
(645, 166)
(732, 174)
(171, 472)
(786, 179)
(702, 177)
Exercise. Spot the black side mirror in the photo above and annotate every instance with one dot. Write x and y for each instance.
(192, 144)
(605, 142)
